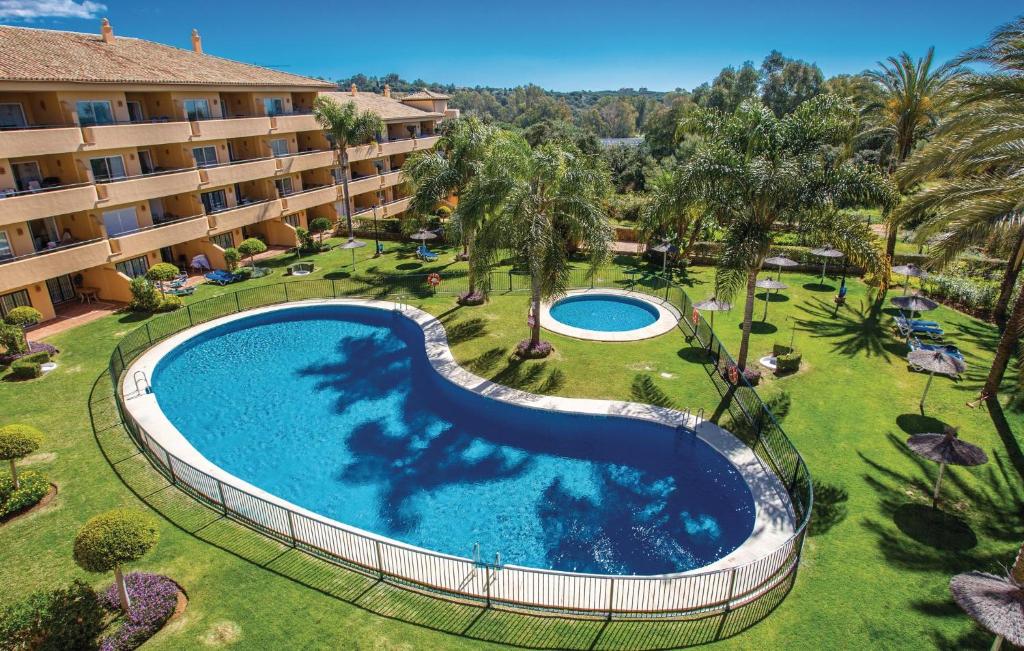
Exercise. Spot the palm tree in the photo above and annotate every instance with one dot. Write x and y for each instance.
(758, 170)
(672, 210)
(346, 126)
(913, 96)
(447, 171)
(538, 200)
(973, 190)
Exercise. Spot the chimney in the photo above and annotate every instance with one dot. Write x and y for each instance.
(106, 31)
(387, 90)
(197, 42)
(353, 90)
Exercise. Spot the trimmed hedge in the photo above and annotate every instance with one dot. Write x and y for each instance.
(65, 618)
(34, 487)
(17, 441)
(788, 363)
(29, 366)
(114, 538)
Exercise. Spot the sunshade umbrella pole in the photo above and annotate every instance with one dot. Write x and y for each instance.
(938, 484)
(824, 265)
(928, 385)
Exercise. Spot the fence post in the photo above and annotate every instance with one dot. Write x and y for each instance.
(170, 469)
(291, 528)
(487, 583)
(238, 307)
(334, 287)
(732, 587)
(510, 280)
(188, 309)
(149, 335)
(380, 559)
(220, 492)
(611, 597)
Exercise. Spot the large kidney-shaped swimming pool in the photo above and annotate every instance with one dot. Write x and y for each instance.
(337, 409)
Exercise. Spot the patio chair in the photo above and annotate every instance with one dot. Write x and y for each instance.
(907, 329)
(425, 254)
(181, 291)
(220, 277)
(918, 322)
(949, 349)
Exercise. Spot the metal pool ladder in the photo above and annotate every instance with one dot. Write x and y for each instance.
(140, 377)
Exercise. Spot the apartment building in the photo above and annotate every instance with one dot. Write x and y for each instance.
(117, 153)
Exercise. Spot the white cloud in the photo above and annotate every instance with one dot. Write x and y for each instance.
(29, 10)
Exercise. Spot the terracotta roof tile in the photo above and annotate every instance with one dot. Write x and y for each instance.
(28, 54)
(386, 107)
(426, 94)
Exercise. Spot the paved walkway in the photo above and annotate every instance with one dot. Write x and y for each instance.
(73, 315)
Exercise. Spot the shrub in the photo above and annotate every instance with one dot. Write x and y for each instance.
(12, 338)
(145, 298)
(250, 248)
(34, 347)
(29, 366)
(18, 441)
(525, 351)
(161, 273)
(231, 258)
(153, 598)
(780, 349)
(111, 539)
(65, 618)
(788, 363)
(169, 303)
(319, 226)
(23, 316)
(32, 488)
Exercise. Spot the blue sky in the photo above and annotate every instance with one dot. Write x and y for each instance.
(557, 44)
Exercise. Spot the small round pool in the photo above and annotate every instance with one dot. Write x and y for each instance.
(604, 312)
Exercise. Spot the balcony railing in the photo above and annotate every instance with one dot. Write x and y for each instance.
(49, 263)
(156, 236)
(47, 202)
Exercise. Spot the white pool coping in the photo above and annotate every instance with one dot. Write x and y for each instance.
(668, 318)
(774, 520)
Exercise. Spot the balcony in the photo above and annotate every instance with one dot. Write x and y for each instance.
(395, 207)
(294, 122)
(37, 267)
(310, 198)
(307, 161)
(150, 238)
(378, 150)
(218, 129)
(15, 143)
(135, 134)
(373, 183)
(232, 218)
(147, 186)
(238, 172)
(47, 202)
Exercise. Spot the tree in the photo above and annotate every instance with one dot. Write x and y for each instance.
(756, 170)
(628, 164)
(787, 83)
(913, 94)
(729, 89)
(675, 208)
(161, 273)
(231, 258)
(109, 540)
(17, 442)
(250, 248)
(448, 171)
(346, 126)
(566, 132)
(318, 226)
(22, 317)
(538, 200)
(659, 127)
(971, 188)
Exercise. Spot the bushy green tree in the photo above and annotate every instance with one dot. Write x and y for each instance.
(145, 297)
(22, 317)
(318, 226)
(250, 248)
(109, 540)
(788, 83)
(231, 258)
(160, 273)
(17, 442)
(729, 89)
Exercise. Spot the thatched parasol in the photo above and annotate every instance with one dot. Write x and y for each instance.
(768, 284)
(910, 271)
(934, 361)
(944, 449)
(826, 253)
(995, 602)
(663, 249)
(353, 244)
(780, 262)
(914, 303)
(712, 305)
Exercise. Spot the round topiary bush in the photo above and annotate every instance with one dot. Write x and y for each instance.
(16, 442)
(109, 540)
(160, 273)
(251, 248)
(24, 316)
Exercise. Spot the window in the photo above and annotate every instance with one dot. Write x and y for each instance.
(198, 109)
(15, 299)
(205, 156)
(120, 221)
(293, 220)
(135, 113)
(224, 240)
(107, 168)
(273, 105)
(146, 161)
(5, 246)
(284, 186)
(134, 267)
(214, 201)
(279, 147)
(27, 175)
(94, 112)
(12, 116)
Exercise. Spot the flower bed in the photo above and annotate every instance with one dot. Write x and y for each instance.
(525, 351)
(33, 348)
(33, 488)
(471, 298)
(153, 598)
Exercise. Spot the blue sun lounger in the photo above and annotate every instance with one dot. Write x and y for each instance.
(220, 277)
(908, 329)
(949, 349)
(425, 254)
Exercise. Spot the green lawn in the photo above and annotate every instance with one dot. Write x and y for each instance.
(874, 575)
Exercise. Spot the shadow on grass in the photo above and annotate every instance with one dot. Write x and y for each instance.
(853, 331)
(935, 528)
(644, 390)
(829, 507)
(695, 355)
(761, 328)
(918, 424)
(818, 287)
(377, 595)
(773, 297)
(467, 330)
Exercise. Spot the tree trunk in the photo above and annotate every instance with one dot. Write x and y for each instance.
(465, 251)
(1009, 280)
(344, 187)
(535, 303)
(748, 318)
(122, 589)
(14, 475)
(693, 236)
(1007, 344)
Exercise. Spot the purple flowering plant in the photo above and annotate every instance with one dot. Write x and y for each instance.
(153, 599)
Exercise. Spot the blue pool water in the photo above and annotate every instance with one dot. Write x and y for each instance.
(337, 409)
(604, 312)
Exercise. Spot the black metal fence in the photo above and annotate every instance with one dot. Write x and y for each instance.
(679, 595)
